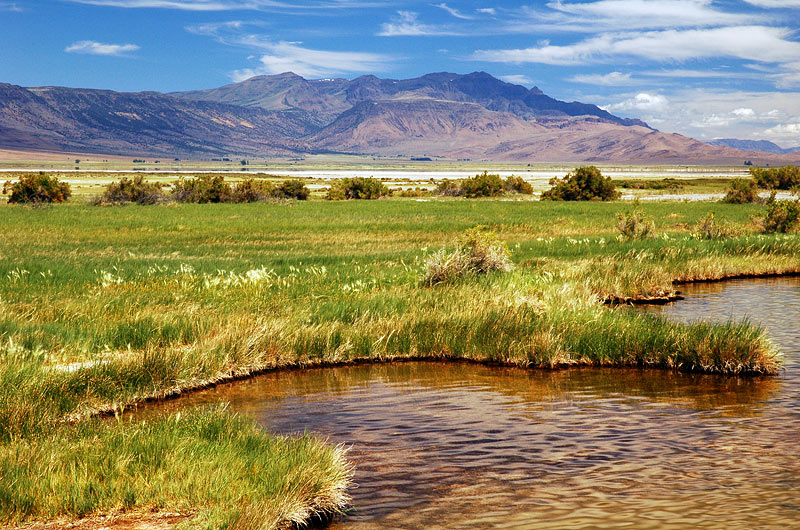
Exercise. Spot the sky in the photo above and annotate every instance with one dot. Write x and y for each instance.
(706, 69)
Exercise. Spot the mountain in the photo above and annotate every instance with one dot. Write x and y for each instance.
(755, 145)
(440, 114)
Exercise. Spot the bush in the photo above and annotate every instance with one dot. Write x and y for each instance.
(291, 189)
(448, 188)
(781, 216)
(202, 190)
(514, 184)
(777, 178)
(136, 190)
(583, 184)
(635, 225)
(709, 227)
(482, 185)
(37, 188)
(741, 191)
(357, 188)
(476, 252)
(251, 190)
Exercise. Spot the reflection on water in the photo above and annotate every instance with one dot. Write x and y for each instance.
(468, 446)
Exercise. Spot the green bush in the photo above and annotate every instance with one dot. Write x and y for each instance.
(514, 184)
(476, 252)
(709, 227)
(582, 184)
(482, 185)
(136, 190)
(251, 190)
(635, 224)
(357, 188)
(202, 190)
(777, 178)
(741, 191)
(291, 189)
(37, 188)
(781, 216)
(448, 188)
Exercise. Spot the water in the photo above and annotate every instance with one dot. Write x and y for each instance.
(441, 446)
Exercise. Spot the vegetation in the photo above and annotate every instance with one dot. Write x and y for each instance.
(741, 191)
(357, 188)
(136, 190)
(635, 224)
(483, 185)
(709, 227)
(585, 183)
(37, 188)
(476, 252)
(101, 308)
(231, 473)
(652, 184)
(777, 178)
(781, 216)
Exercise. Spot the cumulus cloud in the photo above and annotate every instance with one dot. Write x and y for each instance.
(787, 133)
(609, 79)
(99, 48)
(291, 57)
(641, 101)
(743, 112)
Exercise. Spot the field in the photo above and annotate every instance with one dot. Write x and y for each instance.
(103, 307)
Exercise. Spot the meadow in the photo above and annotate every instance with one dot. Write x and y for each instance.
(104, 307)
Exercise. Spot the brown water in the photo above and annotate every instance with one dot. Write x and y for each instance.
(465, 446)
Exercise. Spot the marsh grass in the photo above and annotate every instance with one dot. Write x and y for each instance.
(156, 300)
(215, 465)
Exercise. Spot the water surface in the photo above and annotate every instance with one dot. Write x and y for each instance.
(441, 445)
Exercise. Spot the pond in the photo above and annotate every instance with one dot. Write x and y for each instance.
(446, 445)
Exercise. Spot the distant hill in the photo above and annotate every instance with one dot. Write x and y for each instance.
(442, 114)
(755, 145)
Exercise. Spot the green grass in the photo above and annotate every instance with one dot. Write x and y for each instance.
(213, 465)
(159, 299)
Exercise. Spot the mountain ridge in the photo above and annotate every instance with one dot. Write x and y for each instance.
(441, 114)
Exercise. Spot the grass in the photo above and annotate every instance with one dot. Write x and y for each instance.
(232, 475)
(157, 299)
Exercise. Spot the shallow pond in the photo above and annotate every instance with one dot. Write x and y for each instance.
(441, 445)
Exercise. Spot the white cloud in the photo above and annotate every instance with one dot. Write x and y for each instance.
(454, 12)
(641, 101)
(743, 112)
(609, 79)
(291, 57)
(774, 3)
(99, 48)
(10, 6)
(225, 5)
(487, 11)
(787, 133)
(406, 24)
(609, 15)
(754, 43)
(517, 79)
(680, 73)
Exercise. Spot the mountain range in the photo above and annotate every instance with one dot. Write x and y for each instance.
(447, 115)
(755, 145)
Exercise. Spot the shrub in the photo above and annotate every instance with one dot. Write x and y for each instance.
(136, 190)
(448, 188)
(781, 216)
(660, 184)
(412, 192)
(291, 189)
(357, 188)
(777, 178)
(709, 227)
(476, 252)
(741, 191)
(582, 184)
(514, 184)
(482, 185)
(202, 190)
(635, 224)
(251, 190)
(37, 188)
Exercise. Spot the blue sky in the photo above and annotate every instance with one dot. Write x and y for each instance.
(703, 68)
